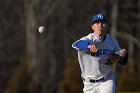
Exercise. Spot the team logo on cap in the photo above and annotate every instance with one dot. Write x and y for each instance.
(100, 16)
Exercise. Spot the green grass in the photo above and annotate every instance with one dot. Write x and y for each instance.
(128, 92)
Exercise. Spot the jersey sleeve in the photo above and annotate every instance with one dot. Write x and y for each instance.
(82, 44)
(116, 46)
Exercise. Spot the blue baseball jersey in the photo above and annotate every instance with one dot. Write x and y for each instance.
(96, 65)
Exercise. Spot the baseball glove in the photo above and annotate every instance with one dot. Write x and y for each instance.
(120, 57)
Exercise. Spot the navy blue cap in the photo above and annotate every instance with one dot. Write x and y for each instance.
(99, 17)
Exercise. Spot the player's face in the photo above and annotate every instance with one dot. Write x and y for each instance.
(99, 28)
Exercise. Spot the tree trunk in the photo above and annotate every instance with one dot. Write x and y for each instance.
(30, 24)
(114, 17)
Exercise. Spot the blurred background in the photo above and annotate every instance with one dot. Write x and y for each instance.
(33, 62)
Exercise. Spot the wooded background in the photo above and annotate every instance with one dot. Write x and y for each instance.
(31, 62)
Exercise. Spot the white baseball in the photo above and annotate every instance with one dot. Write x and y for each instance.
(41, 29)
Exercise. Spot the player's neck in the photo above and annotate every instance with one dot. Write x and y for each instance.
(101, 36)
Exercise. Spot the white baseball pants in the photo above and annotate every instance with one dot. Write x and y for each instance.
(108, 85)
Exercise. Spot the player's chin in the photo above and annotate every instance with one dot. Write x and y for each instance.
(100, 32)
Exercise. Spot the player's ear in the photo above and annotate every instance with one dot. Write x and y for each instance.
(108, 27)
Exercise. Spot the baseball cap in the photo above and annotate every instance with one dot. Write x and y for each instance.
(99, 17)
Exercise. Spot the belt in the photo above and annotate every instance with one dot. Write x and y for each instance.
(92, 80)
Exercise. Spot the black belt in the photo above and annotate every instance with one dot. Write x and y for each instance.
(93, 81)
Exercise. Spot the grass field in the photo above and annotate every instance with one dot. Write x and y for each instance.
(128, 92)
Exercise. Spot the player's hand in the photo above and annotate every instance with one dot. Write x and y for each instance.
(122, 53)
(92, 48)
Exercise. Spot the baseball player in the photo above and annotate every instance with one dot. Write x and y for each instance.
(94, 55)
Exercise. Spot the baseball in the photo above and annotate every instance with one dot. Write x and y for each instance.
(41, 29)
